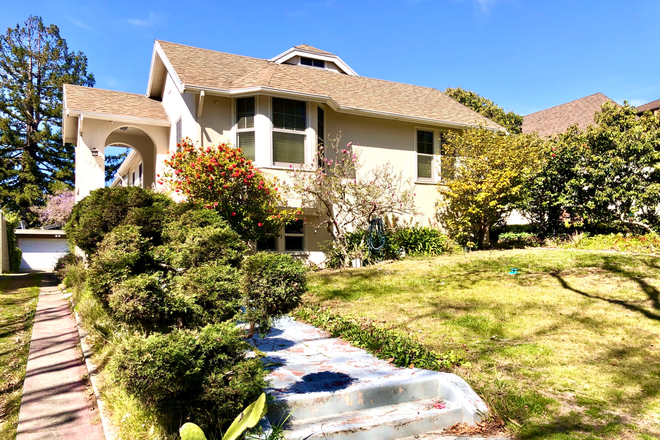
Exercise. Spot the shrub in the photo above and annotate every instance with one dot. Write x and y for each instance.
(122, 253)
(272, 285)
(208, 294)
(15, 253)
(221, 178)
(64, 263)
(422, 241)
(106, 208)
(517, 239)
(202, 376)
(198, 237)
(140, 300)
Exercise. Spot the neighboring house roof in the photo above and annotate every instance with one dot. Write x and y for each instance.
(652, 106)
(223, 73)
(557, 119)
(87, 100)
(309, 48)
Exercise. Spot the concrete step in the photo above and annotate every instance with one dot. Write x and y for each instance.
(324, 393)
(383, 422)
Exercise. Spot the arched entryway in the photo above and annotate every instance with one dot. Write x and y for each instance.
(139, 167)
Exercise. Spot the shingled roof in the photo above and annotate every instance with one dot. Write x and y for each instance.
(211, 70)
(557, 119)
(653, 106)
(309, 48)
(108, 102)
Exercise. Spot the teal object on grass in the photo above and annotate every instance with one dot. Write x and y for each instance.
(513, 272)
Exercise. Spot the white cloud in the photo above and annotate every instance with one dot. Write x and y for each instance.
(141, 22)
(80, 24)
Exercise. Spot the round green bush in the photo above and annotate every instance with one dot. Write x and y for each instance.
(140, 300)
(124, 252)
(272, 285)
(202, 376)
(207, 294)
(106, 208)
(197, 237)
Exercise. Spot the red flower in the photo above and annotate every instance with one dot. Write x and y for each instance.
(259, 224)
(233, 214)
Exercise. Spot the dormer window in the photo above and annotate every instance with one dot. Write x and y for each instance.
(305, 61)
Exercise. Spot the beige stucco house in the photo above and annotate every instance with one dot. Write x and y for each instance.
(277, 111)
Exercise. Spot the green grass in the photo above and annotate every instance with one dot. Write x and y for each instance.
(18, 303)
(567, 349)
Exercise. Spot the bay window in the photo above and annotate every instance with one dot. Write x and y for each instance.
(289, 125)
(245, 139)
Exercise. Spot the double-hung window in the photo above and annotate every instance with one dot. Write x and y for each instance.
(425, 155)
(289, 125)
(294, 236)
(245, 110)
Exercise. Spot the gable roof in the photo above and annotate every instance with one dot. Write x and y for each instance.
(81, 100)
(555, 120)
(309, 48)
(653, 106)
(227, 74)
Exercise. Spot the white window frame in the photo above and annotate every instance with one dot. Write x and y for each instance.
(304, 133)
(285, 235)
(436, 162)
(252, 129)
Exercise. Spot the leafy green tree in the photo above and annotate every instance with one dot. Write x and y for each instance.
(489, 176)
(509, 120)
(607, 174)
(34, 64)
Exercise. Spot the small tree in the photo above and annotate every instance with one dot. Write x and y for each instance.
(221, 178)
(58, 208)
(346, 196)
(509, 120)
(488, 179)
(608, 174)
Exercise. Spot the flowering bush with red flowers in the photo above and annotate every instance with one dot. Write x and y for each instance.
(221, 178)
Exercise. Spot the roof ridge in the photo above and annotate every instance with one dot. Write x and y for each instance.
(109, 90)
(569, 102)
(211, 50)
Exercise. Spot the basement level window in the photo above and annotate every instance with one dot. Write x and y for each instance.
(294, 236)
(312, 62)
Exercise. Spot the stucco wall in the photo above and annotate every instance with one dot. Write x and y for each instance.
(177, 106)
(90, 171)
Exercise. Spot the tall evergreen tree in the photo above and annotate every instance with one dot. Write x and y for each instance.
(34, 64)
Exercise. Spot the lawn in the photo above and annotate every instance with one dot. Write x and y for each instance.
(18, 303)
(568, 348)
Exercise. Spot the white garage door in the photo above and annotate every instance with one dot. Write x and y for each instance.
(41, 253)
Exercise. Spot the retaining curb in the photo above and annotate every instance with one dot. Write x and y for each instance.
(108, 429)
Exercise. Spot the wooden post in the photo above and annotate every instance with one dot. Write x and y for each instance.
(4, 248)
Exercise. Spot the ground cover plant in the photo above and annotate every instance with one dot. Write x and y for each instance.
(18, 303)
(566, 349)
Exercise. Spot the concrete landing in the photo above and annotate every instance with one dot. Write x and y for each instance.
(55, 403)
(335, 390)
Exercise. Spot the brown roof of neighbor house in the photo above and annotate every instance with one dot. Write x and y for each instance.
(208, 69)
(108, 102)
(309, 48)
(557, 119)
(653, 106)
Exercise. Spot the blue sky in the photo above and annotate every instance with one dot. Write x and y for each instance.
(524, 55)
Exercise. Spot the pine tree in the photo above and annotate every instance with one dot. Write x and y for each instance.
(34, 64)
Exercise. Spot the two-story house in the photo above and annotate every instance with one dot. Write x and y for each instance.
(277, 111)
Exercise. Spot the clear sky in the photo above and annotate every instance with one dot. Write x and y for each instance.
(524, 55)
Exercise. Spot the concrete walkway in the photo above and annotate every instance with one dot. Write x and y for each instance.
(55, 402)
